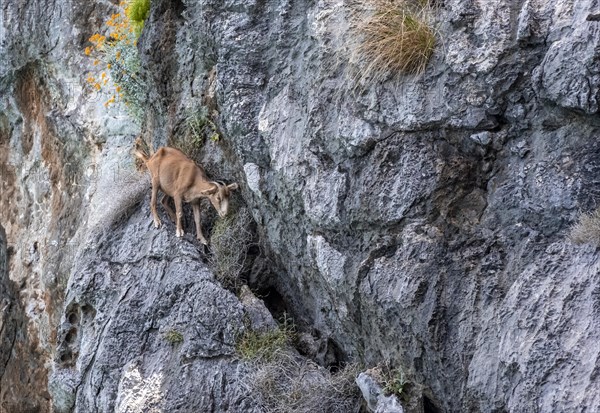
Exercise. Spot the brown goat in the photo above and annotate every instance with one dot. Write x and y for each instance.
(180, 178)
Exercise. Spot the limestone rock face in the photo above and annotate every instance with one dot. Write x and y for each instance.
(421, 221)
(146, 326)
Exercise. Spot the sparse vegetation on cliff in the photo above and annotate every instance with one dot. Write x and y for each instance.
(198, 128)
(265, 346)
(396, 38)
(173, 337)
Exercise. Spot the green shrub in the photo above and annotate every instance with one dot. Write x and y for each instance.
(174, 337)
(125, 69)
(395, 38)
(138, 11)
(587, 229)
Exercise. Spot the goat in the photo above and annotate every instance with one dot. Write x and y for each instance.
(179, 177)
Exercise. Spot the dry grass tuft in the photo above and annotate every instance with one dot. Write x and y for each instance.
(291, 384)
(396, 38)
(587, 229)
(230, 239)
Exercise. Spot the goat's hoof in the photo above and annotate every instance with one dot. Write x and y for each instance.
(157, 224)
(203, 241)
(179, 234)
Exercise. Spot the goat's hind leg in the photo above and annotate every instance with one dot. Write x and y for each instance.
(165, 203)
(179, 214)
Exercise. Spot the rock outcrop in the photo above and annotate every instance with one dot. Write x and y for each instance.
(422, 221)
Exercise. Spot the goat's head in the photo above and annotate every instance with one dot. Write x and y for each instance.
(218, 195)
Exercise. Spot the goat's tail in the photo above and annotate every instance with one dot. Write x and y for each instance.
(141, 149)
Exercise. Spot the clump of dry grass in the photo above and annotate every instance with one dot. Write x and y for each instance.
(230, 239)
(587, 229)
(396, 37)
(292, 384)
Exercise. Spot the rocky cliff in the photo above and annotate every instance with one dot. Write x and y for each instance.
(422, 220)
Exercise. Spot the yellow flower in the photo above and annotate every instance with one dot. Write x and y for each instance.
(96, 62)
(102, 75)
(97, 86)
(118, 55)
(118, 89)
(91, 79)
(88, 50)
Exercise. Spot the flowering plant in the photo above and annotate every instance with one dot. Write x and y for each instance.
(116, 52)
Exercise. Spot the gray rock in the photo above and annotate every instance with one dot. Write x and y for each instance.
(146, 326)
(259, 317)
(422, 220)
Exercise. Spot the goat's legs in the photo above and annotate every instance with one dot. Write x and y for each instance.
(165, 203)
(199, 235)
(155, 186)
(179, 214)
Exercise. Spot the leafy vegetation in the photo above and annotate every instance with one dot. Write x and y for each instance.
(116, 55)
(138, 11)
(394, 383)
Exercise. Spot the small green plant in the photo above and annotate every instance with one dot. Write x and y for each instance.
(174, 337)
(587, 229)
(394, 383)
(265, 346)
(138, 11)
(198, 127)
(396, 38)
(202, 127)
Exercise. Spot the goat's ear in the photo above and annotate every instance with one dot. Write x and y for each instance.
(213, 189)
(233, 186)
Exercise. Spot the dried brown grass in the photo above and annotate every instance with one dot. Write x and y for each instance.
(587, 229)
(292, 384)
(394, 37)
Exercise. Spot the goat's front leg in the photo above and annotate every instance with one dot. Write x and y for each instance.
(199, 235)
(179, 215)
(155, 185)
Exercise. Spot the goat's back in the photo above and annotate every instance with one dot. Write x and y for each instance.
(174, 170)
